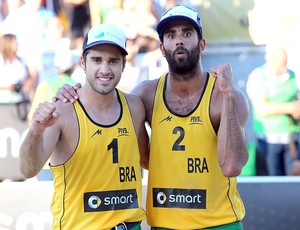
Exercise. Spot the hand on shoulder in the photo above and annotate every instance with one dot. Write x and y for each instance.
(67, 93)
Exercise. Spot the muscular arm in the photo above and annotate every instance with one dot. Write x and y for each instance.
(36, 148)
(146, 91)
(232, 146)
(138, 116)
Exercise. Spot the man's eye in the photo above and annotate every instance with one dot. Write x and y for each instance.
(114, 61)
(97, 60)
(187, 34)
(170, 36)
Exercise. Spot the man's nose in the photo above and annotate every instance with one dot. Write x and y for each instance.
(104, 69)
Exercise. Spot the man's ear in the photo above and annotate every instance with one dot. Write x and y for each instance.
(82, 63)
(202, 44)
(162, 49)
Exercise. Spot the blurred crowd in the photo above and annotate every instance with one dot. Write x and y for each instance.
(40, 40)
(41, 45)
(40, 49)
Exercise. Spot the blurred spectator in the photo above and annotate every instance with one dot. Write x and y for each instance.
(272, 90)
(135, 18)
(100, 9)
(78, 14)
(54, 5)
(65, 62)
(159, 6)
(28, 22)
(78, 74)
(58, 7)
(54, 41)
(3, 9)
(152, 64)
(143, 60)
(15, 81)
(14, 4)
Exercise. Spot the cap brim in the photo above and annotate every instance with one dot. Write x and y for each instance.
(103, 42)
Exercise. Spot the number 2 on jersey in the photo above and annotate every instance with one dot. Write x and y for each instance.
(176, 145)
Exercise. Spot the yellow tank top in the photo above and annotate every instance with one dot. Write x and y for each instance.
(100, 185)
(186, 187)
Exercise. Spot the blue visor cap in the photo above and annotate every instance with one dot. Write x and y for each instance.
(178, 12)
(105, 34)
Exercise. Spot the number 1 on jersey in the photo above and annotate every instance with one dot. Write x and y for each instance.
(114, 146)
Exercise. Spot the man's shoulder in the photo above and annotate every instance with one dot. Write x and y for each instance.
(149, 83)
(131, 97)
(146, 87)
(135, 105)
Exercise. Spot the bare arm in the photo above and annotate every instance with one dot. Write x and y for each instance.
(36, 149)
(146, 91)
(232, 145)
(138, 117)
(265, 108)
(256, 90)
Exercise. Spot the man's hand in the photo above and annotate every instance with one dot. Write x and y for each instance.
(223, 73)
(67, 93)
(44, 116)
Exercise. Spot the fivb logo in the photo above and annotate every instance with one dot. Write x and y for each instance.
(110, 200)
(195, 120)
(179, 198)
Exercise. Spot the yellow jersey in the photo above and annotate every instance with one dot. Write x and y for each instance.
(100, 186)
(186, 187)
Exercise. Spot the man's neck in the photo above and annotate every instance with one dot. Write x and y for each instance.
(186, 86)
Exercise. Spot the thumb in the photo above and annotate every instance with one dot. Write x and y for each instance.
(55, 114)
(77, 86)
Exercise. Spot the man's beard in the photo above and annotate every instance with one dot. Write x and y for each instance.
(183, 66)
